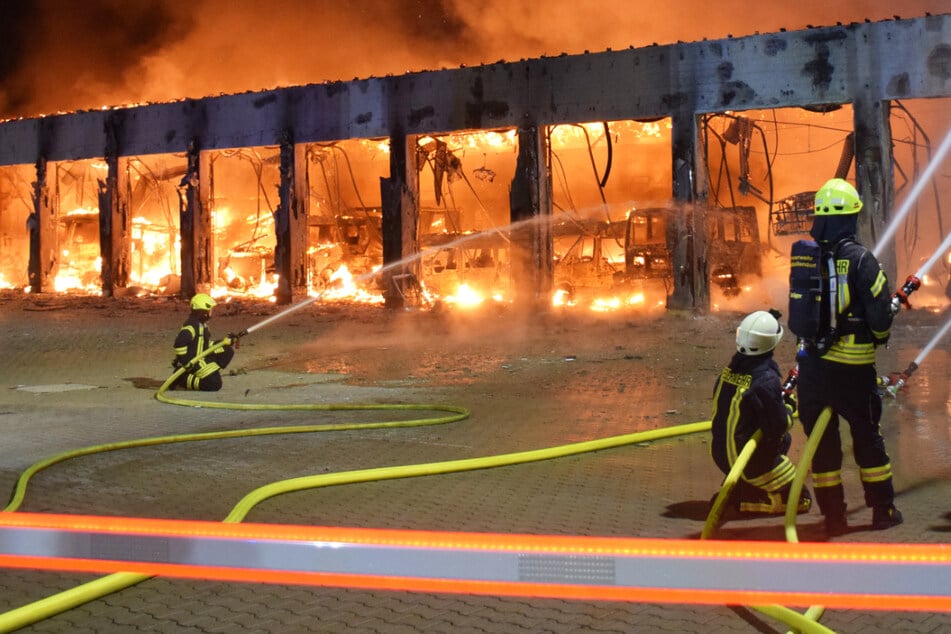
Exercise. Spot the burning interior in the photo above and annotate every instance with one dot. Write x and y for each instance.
(609, 189)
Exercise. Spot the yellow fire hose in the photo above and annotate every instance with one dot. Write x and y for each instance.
(807, 622)
(74, 597)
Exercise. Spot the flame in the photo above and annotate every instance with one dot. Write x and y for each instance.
(465, 297)
(610, 304)
(561, 297)
(75, 280)
(635, 131)
(151, 248)
(342, 286)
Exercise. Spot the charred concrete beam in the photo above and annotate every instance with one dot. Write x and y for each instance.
(399, 195)
(530, 211)
(290, 222)
(114, 230)
(41, 224)
(687, 232)
(898, 59)
(195, 221)
(875, 176)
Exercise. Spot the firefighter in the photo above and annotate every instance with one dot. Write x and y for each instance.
(193, 338)
(748, 395)
(843, 376)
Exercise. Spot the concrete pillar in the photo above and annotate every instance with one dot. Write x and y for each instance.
(290, 222)
(195, 221)
(530, 209)
(399, 194)
(114, 221)
(875, 177)
(44, 247)
(687, 232)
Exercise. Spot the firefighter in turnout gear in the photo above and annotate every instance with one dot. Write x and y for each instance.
(748, 396)
(194, 338)
(843, 376)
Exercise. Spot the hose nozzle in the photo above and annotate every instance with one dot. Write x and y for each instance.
(900, 298)
(897, 382)
(791, 380)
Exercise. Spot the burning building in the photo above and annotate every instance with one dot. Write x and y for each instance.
(647, 176)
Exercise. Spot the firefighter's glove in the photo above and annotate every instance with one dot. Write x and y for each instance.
(233, 340)
(792, 405)
(177, 363)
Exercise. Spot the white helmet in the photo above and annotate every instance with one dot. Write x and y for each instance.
(758, 333)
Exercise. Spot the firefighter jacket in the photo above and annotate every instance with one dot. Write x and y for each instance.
(748, 396)
(193, 338)
(863, 306)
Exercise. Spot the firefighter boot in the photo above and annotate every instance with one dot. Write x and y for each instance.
(885, 517)
(805, 499)
(832, 505)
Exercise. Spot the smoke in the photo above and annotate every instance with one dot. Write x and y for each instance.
(62, 56)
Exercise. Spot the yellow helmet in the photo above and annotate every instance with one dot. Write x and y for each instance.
(837, 198)
(201, 301)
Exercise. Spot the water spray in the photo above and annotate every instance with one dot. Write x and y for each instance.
(234, 338)
(913, 282)
(913, 195)
(894, 384)
(247, 331)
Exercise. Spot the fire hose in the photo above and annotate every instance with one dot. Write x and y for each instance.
(893, 384)
(104, 586)
(808, 621)
(69, 599)
(109, 584)
(66, 600)
(899, 299)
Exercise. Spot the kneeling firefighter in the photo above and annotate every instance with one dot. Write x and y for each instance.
(193, 339)
(748, 396)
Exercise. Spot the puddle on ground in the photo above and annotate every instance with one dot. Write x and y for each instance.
(55, 387)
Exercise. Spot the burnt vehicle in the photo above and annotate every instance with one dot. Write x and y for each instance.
(78, 263)
(614, 255)
(733, 250)
(246, 266)
(589, 254)
(477, 259)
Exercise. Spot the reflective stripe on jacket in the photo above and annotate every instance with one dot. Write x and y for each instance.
(863, 305)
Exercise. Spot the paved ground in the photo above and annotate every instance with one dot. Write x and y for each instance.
(552, 381)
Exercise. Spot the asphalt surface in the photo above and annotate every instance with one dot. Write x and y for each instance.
(78, 376)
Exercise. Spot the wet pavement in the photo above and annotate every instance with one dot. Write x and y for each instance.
(87, 377)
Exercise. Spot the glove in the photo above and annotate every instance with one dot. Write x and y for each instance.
(792, 405)
(177, 363)
(233, 340)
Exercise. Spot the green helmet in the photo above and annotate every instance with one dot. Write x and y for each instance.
(201, 301)
(837, 198)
